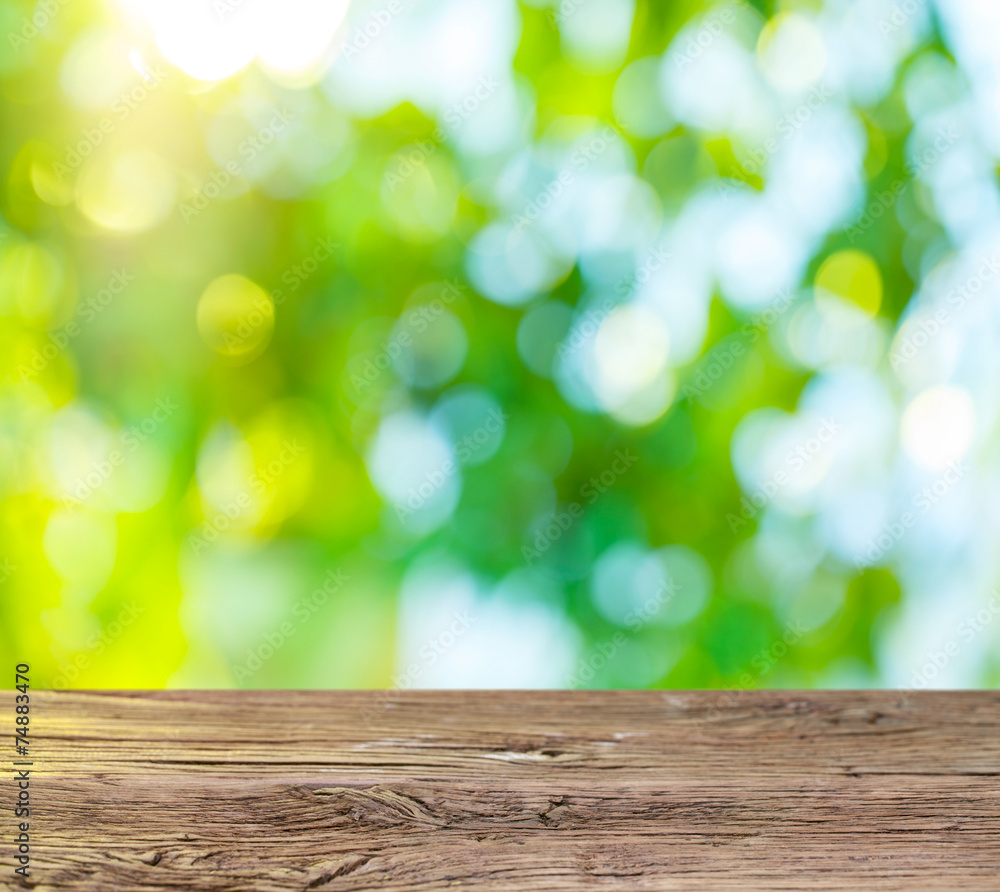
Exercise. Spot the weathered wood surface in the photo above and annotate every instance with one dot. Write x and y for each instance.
(513, 790)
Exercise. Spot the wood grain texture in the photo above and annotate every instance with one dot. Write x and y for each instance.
(513, 790)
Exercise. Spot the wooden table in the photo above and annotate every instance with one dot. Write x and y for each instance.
(512, 790)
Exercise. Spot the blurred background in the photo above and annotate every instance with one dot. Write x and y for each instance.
(481, 343)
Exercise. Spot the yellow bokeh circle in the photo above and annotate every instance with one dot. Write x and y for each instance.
(851, 276)
(35, 283)
(127, 192)
(236, 317)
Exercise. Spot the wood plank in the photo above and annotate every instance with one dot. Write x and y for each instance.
(513, 790)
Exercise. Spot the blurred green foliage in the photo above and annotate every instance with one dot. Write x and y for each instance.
(127, 582)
